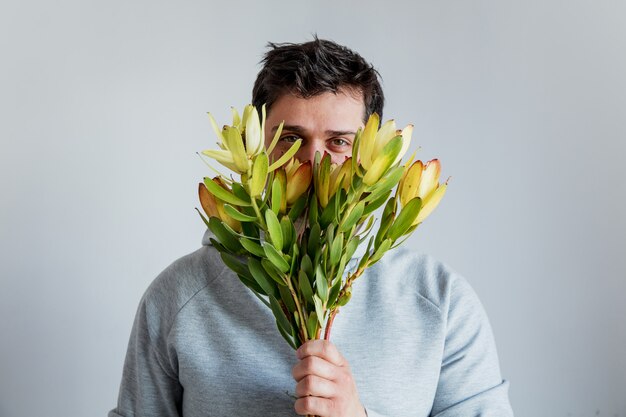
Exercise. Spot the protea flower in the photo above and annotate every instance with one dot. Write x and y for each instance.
(380, 149)
(330, 177)
(213, 206)
(298, 176)
(290, 242)
(422, 181)
(241, 142)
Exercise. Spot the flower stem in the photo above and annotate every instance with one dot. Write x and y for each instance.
(303, 318)
(258, 214)
(329, 324)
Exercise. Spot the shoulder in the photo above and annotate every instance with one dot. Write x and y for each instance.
(426, 276)
(176, 286)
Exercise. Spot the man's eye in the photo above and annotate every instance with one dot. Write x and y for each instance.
(340, 143)
(289, 138)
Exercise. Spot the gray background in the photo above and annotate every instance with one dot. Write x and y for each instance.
(102, 108)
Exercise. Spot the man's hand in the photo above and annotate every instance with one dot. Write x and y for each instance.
(325, 386)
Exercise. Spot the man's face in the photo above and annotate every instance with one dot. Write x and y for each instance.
(326, 122)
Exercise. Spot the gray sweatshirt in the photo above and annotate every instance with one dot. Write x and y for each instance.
(415, 335)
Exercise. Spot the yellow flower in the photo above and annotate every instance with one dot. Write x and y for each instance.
(237, 153)
(214, 207)
(422, 181)
(380, 149)
(299, 177)
(330, 177)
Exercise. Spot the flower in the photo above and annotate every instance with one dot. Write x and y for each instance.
(380, 149)
(213, 206)
(299, 177)
(422, 181)
(248, 130)
(288, 228)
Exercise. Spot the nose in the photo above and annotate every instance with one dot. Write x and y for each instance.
(308, 149)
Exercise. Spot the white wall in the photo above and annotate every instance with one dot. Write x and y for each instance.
(102, 107)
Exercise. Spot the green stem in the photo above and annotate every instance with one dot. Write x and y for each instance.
(303, 318)
(329, 324)
(258, 214)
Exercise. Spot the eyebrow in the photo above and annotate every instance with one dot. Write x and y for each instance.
(301, 130)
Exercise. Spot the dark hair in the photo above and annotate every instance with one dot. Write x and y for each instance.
(316, 67)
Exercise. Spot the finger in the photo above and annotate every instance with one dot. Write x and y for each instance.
(312, 385)
(316, 406)
(313, 365)
(323, 349)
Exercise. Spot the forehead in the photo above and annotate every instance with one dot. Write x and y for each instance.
(337, 111)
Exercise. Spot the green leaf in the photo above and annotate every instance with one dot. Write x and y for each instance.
(387, 183)
(275, 257)
(252, 247)
(343, 300)
(288, 337)
(218, 246)
(329, 212)
(363, 232)
(386, 221)
(390, 208)
(334, 292)
(250, 230)
(405, 219)
(223, 194)
(273, 227)
(353, 217)
(237, 215)
(298, 207)
(330, 234)
(351, 247)
(313, 209)
(285, 295)
(281, 318)
(273, 272)
(305, 287)
(374, 205)
(238, 267)
(259, 174)
(341, 269)
(321, 284)
(288, 232)
(319, 309)
(277, 195)
(315, 234)
(224, 235)
(240, 192)
(307, 266)
(365, 258)
(286, 156)
(262, 278)
(295, 259)
(204, 219)
(335, 250)
(312, 324)
(384, 247)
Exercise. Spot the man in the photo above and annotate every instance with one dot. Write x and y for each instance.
(413, 341)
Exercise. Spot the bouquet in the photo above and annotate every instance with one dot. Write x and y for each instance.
(288, 228)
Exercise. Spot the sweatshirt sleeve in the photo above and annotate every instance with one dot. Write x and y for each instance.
(470, 384)
(150, 385)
